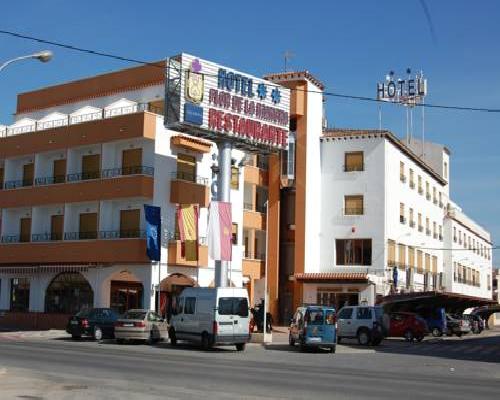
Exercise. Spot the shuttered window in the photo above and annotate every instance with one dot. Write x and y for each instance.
(420, 265)
(25, 230)
(186, 167)
(427, 262)
(411, 257)
(91, 166)
(391, 253)
(130, 222)
(235, 178)
(353, 205)
(354, 161)
(131, 161)
(401, 256)
(434, 264)
(353, 251)
(28, 174)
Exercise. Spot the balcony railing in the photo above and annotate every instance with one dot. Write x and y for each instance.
(189, 177)
(137, 170)
(46, 237)
(354, 211)
(80, 235)
(122, 234)
(50, 180)
(10, 239)
(202, 240)
(78, 119)
(18, 183)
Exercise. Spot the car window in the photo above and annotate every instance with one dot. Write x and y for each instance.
(346, 313)
(314, 317)
(106, 314)
(233, 306)
(156, 317)
(364, 313)
(189, 305)
(330, 317)
(180, 305)
(134, 315)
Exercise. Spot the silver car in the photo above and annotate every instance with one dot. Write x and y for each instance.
(139, 324)
(362, 322)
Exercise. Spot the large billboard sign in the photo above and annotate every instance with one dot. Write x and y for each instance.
(409, 91)
(209, 100)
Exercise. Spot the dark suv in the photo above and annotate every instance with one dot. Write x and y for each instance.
(97, 323)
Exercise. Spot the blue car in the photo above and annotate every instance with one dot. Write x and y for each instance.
(436, 321)
(314, 327)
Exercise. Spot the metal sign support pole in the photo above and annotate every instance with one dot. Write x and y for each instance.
(223, 194)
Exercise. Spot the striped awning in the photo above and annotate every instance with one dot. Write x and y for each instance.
(44, 269)
(332, 276)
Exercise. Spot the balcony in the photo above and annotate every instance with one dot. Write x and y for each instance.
(75, 251)
(18, 184)
(77, 189)
(175, 253)
(253, 219)
(256, 176)
(189, 189)
(89, 131)
(253, 268)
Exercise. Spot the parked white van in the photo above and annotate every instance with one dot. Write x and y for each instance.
(211, 316)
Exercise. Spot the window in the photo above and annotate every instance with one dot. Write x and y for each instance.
(427, 191)
(186, 167)
(190, 305)
(402, 176)
(330, 317)
(427, 227)
(28, 174)
(180, 306)
(401, 256)
(130, 223)
(391, 253)
(234, 235)
(412, 179)
(91, 166)
(354, 161)
(353, 205)
(420, 266)
(455, 234)
(434, 264)
(412, 221)
(445, 170)
(235, 177)
(427, 262)
(411, 257)
(440, 232)
(346, 313)
(354, 251)
(233, 306)
(288, 157)
(420, 188)
(434, 195)
(434, 230)
(25, 229)
(364, 313)
(131, 161)
(314, 317)
(420, 226)
(440, 199)
(402, 218)
(68, 293)
(19, 294)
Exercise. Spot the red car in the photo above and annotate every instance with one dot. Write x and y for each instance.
(408, 325)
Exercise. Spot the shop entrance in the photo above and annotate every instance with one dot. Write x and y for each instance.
(126, 295)
(336, 299)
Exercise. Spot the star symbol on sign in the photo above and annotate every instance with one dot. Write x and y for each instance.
(262, 91)
(276, 95)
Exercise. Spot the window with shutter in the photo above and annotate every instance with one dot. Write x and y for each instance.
(401, 256)
(391, 253)
(354, 161)
(353, 205)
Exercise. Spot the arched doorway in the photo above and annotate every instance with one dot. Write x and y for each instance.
(126, 292)
(68, 293)
(170, 288)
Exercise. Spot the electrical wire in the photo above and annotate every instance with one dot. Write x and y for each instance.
(324, 93)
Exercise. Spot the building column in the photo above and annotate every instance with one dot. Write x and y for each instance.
(273, 235)
(4, 293)
(251, 243)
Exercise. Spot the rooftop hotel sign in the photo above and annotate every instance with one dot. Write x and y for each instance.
(209, 100)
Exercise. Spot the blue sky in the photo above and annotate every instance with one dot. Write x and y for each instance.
(349, 45)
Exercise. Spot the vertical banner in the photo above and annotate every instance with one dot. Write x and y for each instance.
(153, 231)
(220, 231)
(187, 218)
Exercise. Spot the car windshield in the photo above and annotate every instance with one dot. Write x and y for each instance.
(315, 317)
(134, 315)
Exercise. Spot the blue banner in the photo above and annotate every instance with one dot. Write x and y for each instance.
(153, 231)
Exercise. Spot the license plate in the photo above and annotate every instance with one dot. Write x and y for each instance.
(74, 322)
(127, 325)
(315, 339)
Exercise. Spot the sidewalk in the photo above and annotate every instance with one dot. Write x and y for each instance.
(32, 335)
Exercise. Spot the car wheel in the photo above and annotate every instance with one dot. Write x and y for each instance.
(409, 336)
(376, 342)
(120, 341)
(291, 340)
(240, 346)
(459, 334)
(97, 333)
(364, 337)
(332, 349)
(420, 338)
(173, 338)
(205, 341)
(436, 332)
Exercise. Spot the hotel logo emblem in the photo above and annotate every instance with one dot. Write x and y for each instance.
(195, 84)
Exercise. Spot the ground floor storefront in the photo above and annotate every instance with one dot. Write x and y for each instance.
(44, 296)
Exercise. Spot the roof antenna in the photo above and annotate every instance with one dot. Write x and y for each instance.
(287, 56)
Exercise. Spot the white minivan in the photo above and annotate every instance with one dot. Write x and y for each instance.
(211, 316)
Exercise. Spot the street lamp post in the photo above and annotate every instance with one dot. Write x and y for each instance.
(42, 56)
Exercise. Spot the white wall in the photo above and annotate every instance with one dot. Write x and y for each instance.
(44, 163)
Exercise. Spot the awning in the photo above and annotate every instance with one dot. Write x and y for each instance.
(332, 277)
(452, 302)
(44, 269)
